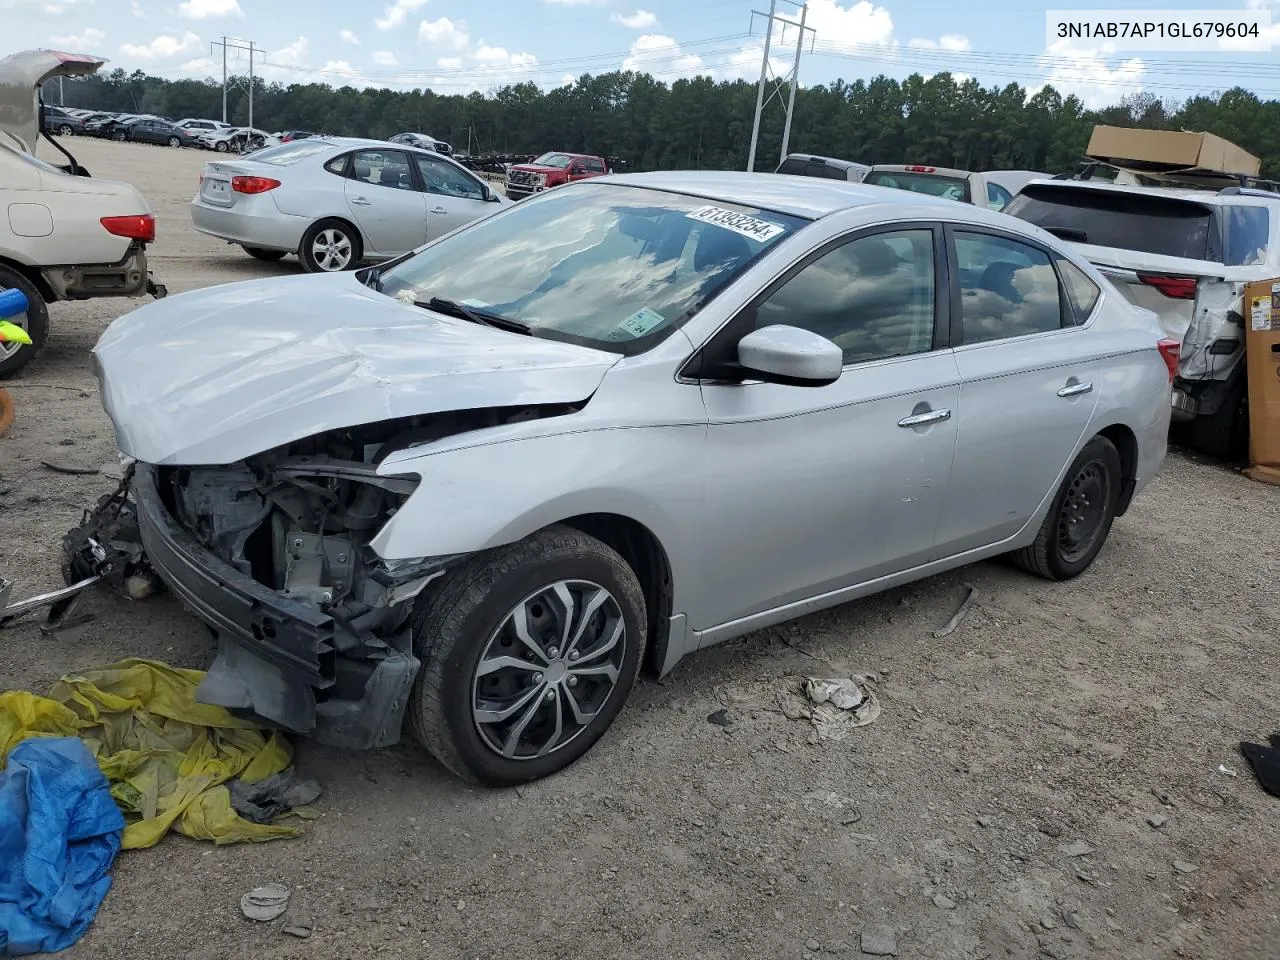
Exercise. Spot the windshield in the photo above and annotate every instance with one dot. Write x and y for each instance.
(937, 186)
(612, 267)
(1146, 222)
(558, 160)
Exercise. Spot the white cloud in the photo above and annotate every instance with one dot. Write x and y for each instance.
(163, 47)
(346, 36)
(90, 38)
(136, 8)
(861, 24)
(951, 42)
(575, 3)
(385, 58)
(210, 9)
(293, 55)
(449, 63)
(640, 20)
(396, 13)
(660, 55)
(568, 80)
(444, 32)
(1087, 74)
(200, 65)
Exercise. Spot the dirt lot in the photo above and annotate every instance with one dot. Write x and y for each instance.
(1054, 714)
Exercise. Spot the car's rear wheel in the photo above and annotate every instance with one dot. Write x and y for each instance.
(66, 130)
(175, 142)
(1080, 518)
(270, 256)
(15, 356)
(120, 136)
(528, 654)
(329, 246)
(1223, 434)
(221, 146)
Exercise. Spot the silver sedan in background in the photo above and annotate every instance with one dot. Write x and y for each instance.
(337, 201)
(624, 420)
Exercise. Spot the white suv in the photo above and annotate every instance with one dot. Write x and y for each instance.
(1186, 254)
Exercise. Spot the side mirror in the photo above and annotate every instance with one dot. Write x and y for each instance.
(790, 356)
(491, 195)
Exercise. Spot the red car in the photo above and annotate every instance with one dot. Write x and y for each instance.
(551, 170)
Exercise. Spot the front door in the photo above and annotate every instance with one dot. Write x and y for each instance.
(811, 489)
(1029, 385)
(385, 202)
(454, 198)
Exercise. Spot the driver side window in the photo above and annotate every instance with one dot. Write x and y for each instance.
(447, 180)
(873, 296)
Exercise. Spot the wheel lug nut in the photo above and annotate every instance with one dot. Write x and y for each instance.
(553, 652)
(573, 681)
(537, 678)
(551, 694)
(574, 655)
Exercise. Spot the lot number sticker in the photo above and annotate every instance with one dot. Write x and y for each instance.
(753, 228)
(639, 323)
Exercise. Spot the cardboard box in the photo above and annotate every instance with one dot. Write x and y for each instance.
(1262, 359)
(1166, 151)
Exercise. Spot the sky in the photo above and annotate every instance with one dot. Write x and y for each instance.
(457, 46)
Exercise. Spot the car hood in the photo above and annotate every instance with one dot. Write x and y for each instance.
(537, 168)
(20, 77)
(217, 375)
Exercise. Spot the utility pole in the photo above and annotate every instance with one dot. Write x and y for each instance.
(793, 76)
(251, 90)
(61, 102)
(228, 81)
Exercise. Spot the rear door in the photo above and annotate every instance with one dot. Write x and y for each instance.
(385, 201)
(454, 198)
(1029, 379)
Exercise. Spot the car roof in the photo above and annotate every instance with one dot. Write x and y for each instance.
(1211, 197)
(809, 197)
(830, 161)
(924, 168)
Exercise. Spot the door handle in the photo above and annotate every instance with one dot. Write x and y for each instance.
(1075, 389)
(439, 210)
(360, 201)
(920, 419)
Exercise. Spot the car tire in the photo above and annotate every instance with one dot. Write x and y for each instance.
(467, 621)
(35, 321)
(1080, 516)
(1224, 434)
(119, 136)
(175, 142)
(269, 256)
(66, 130)
(221, 146)
(342, 240)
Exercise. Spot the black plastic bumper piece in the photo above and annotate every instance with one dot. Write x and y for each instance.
(275, 654)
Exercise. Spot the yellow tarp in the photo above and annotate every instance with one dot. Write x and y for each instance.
(166, 756)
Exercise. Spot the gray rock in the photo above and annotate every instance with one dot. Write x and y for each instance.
(1183, 867)
(943, 902)
(1050, 829)
(1049, 923)
(986, 821)
(1156, 821)
(812, 945)
(721, 718)
(879, 940)
(1077, 848)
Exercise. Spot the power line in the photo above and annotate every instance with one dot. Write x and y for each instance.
(234, 44)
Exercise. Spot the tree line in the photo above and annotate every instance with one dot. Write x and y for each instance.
(703, 124)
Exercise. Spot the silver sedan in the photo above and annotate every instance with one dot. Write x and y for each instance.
(337, 201)
(484, 487)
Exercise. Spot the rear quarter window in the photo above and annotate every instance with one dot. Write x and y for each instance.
(1246, 235)
(1149, 223)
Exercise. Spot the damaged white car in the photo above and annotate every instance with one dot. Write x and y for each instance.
(481, 487)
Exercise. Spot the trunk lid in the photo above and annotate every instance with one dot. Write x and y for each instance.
(21, 75)
(216, 177)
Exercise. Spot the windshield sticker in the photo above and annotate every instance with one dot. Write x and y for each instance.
(639, 323)
(753, 228)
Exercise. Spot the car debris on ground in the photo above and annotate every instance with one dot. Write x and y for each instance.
(1265, 761)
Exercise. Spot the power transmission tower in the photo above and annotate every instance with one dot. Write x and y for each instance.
(766, 69)
(229, 80)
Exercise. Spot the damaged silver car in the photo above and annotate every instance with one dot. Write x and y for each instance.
(478, 489)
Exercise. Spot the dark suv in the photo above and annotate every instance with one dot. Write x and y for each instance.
(829, 168)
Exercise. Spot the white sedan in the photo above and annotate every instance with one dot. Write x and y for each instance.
(336, 201)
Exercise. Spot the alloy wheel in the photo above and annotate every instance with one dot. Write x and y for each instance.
(1084, 510)
(8, 349)
(549, 669)
(331, 250)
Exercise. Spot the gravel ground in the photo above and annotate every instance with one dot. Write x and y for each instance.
(1056, 715)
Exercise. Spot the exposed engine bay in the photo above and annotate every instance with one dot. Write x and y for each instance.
(273, 553)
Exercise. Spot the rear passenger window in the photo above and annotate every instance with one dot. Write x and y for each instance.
(1007, 288)
(1081, 291)
(595, 166)
(1247, 230)
(337, 165)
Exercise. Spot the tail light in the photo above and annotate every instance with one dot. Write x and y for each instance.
(253, 184)
(1176, 288)
(1169, 350)
(921, 169)
(138, 227)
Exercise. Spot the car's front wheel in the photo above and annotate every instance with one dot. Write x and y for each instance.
(15, 356)
(329, 246)
(119, 136)
(221, 146)
(175, 142)
(66, 130)
(1080, 517)
(528, 654)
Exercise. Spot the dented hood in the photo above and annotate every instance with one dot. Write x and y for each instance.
(20, 77)
(220, 374)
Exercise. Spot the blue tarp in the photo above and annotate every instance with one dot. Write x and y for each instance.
(59, 835)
